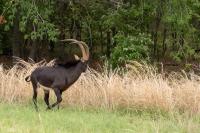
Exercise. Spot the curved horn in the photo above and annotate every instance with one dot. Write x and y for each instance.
(86, 50)
(73, 41)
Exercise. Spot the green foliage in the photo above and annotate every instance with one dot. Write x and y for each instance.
(34, 19)
(124, 19)
(183, 54)
(130, 48)
(173, 26)
(177, 14)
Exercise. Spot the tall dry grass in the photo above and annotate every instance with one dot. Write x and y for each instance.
(140, 87)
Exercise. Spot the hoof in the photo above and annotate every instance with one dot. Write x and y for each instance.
(48, 108)
(37, 110)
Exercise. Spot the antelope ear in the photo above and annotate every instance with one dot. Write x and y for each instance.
(76, 57)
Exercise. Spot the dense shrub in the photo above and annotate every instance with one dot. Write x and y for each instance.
(130, 48)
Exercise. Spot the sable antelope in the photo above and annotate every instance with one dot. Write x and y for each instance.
(59, 77)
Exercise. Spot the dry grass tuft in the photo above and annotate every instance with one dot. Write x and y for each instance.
(141, 87)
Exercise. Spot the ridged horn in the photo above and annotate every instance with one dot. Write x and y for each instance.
(86, 50)
(85, 53)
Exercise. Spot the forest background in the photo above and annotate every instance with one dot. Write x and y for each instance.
(115, 30)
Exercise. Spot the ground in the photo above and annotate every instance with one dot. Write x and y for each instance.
(24, 119)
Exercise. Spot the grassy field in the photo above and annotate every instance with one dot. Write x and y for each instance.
(23, 119)
(97, 96)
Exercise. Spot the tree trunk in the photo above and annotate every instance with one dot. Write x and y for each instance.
(78, 30)
(16, 36)
(114, 32)
(164, 42)
(157, 25)
(155, 38)
(101, 39)
(108, 44)
(181, 40)
(71, 30)
(174, 36)
(33, 51)
(90, 38)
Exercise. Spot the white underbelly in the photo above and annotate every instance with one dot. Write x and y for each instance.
(43, 87)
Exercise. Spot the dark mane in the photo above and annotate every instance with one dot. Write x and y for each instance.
(69, 64)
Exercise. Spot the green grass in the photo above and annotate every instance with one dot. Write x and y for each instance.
(24, 119)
